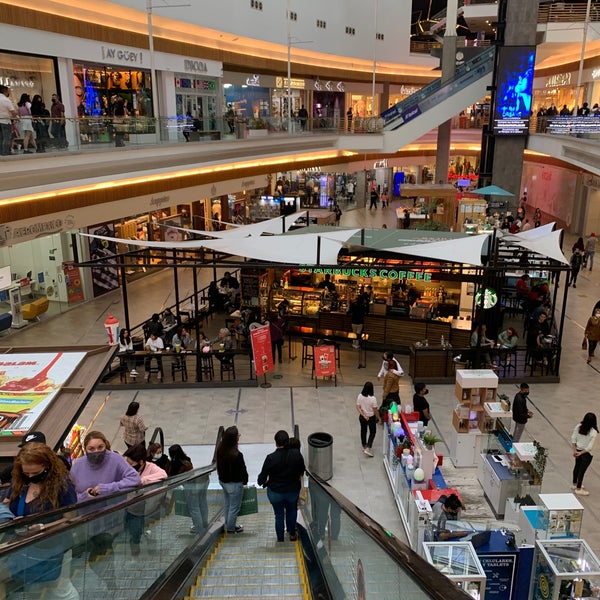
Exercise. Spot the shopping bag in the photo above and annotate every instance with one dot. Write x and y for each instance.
(249, 501)
(180, 503)
(584, 344)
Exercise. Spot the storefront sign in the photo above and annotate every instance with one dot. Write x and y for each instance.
(559, 79)
(596, 73)
(380, 164)
(41, 228)
(329, 86)
(195, 66)
(15, 82)
(324, 361)
(122, 55)
(295, 84)
(382, 273)
(261, 349)
(407, 90)
(490, 298)
(253, 81)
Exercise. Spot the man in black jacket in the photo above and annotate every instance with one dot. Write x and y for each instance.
(281, 474)
(520, 412)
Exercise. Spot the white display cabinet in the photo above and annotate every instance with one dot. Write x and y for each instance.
(565, 569)
(459, 562)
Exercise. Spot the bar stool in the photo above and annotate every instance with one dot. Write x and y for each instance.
(507, 360)
(227, 366)
(158, 369)
(308, 351)
(179, 365)
(207, 366)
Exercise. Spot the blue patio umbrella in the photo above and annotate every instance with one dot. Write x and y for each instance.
(491, 190)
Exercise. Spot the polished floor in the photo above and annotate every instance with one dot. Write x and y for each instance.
(191, 416)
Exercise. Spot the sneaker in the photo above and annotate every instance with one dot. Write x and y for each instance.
(239, 528)
(193, 529)
(582, 492)
(293, 537)
(369, 452)
(134, 373)
(573, 487)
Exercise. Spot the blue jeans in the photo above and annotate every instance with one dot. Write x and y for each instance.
(232, 494)
(195, 497)
(285, 507)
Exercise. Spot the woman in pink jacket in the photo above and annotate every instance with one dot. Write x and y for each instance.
(137, 457)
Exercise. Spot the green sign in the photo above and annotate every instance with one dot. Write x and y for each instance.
(490, 298)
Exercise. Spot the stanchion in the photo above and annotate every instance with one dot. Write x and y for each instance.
(265, 383)
(362, 351)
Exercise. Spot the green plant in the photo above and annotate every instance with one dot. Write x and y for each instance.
(430, 439)
(539, 460)
(257, 124)
(431, 225)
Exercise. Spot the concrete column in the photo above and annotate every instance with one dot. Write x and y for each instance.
(385, 97)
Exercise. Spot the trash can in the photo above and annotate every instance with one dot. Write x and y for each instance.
(320, 454)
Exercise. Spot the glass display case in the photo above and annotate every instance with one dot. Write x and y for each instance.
(557, 516)
(565, 569)
(301, 301)
(459, 562)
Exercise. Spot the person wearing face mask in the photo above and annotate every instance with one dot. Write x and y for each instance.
(420, 404)
(592, 333)
(41, 483)
(520, 413)
(158, 457)
(101, 471)
(137, 457)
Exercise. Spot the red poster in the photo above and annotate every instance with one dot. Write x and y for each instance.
(324, 361)
(73, 283)
(261, 349)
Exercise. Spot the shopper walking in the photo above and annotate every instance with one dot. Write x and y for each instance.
(592, 333)
(366, 405)
(281, 474)
(134, 429)
(520, 413)
(233, 476)
(582, 440)
(575, 261)
(590, 250)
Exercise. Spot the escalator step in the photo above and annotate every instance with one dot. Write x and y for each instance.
(263, 590)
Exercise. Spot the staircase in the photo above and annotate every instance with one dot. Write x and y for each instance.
(253, 564)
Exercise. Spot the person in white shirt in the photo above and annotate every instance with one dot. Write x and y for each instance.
(384, 365)
(7, 112)
(154, 344)
(366, 405)
(582, 441)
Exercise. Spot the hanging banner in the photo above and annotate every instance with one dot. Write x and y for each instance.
(324, 361)
(261, 349)
(73, 283)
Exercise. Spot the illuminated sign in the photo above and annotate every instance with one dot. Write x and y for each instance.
(122, 54)
(329, 86)
(253, 81)
(368, 272)
(295, 84)
(563, 79)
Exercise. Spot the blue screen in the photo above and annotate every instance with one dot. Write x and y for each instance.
(514, 90)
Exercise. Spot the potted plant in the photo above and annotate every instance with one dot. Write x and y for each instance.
(430, 439)
(257, 127)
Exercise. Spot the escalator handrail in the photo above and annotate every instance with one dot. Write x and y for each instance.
(64, 523)
(59, 522)
(395, 112)
(429, 578)
(161, 437)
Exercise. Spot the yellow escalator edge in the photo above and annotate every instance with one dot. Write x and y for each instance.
(302, 571)
(203, 570)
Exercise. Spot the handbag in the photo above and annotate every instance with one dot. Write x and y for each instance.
(249, 504)
(584, 343)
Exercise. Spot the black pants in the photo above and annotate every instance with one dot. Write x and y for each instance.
(592, 347)
(277, 344)
(371, 424)
(582, 462)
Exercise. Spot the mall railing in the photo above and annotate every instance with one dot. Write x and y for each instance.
(359, 558)
(430, 96)
(87, 549)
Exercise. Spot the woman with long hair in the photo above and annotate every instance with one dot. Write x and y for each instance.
(134, 428)
(126, 347)
(366, 405)
(24, 110)
(40, 483)
(233, 476)
(582, 441)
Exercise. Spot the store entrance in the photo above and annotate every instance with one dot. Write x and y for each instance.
(203, 110)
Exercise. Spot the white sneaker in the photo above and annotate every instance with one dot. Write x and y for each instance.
(582, 492)
(369, 452)
(134, 373)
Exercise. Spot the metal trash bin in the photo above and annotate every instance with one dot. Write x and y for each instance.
(320, 454)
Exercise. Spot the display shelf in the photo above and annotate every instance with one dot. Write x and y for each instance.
(459, 562)
(473, 389)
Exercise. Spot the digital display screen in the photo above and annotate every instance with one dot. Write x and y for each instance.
(514, 90)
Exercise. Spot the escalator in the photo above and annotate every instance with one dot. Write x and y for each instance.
(84, 552)
(435, 103)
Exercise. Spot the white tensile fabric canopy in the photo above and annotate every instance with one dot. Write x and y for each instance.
(323, 246)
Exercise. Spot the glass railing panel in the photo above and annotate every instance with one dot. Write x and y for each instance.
(126, 548)
(355, 561)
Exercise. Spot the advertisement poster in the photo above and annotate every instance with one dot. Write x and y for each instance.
(324, 361)
(104, 279)
(261, 349)
(73, 283)
(28, 383)
(500, 570)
